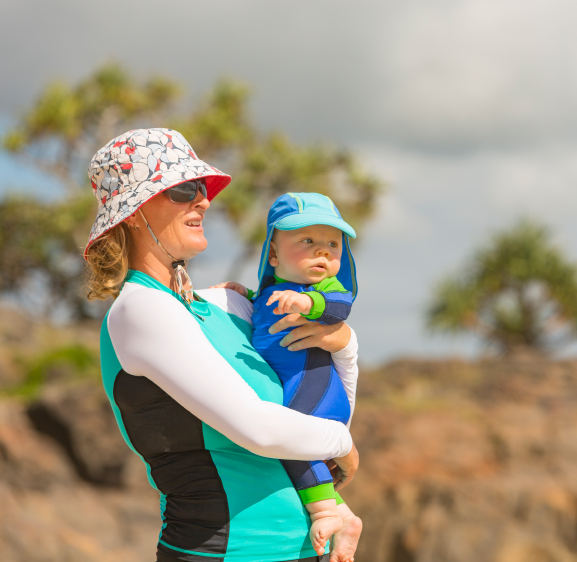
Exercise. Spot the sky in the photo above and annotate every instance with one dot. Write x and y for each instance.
(467, 109)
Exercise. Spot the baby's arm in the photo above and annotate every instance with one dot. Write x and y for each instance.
(328, 303)
(290, 302)
(332, 302)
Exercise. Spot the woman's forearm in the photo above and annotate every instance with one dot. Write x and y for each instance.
(156, 337)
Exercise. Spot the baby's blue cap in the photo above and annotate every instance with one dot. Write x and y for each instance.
(297, 210)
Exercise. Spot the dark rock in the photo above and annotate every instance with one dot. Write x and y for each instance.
(80, 419)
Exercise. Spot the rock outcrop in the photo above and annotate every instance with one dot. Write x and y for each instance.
(467, 461)
(49, 513)
(459, 461)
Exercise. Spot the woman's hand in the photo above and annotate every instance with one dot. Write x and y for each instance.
(240, 289)
(343, 468)
(311, 334)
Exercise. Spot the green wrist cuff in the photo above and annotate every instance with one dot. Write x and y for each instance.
(318, 306)
(317, 493)
(339, 499)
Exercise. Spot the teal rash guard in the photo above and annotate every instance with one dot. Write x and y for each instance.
(204, 412)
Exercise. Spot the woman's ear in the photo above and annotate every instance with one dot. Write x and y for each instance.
(272, 259)
(131, 221)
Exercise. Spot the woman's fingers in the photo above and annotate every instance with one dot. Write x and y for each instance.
(225, 285)
(347, 466)
(306, 334)
(289, 321)
(337, 475)
(331, 464)
(241, 289)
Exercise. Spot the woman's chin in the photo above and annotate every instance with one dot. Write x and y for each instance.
(196, 244)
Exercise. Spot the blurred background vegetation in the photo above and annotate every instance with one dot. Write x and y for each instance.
(41, 242)
(486, 446)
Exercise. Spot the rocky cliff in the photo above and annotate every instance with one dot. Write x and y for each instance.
(459, 460)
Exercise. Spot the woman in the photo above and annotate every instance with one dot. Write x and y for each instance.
(191, 396)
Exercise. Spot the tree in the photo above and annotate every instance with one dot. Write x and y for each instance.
(40, 257)
(65, 127)
(42, 240)
(264, 166)
(518, 292)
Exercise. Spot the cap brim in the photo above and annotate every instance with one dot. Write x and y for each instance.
(300, 220)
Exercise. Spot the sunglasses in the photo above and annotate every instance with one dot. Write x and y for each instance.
(186, 192)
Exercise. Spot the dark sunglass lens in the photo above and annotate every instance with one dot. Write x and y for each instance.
(186, 192)
(180, 194)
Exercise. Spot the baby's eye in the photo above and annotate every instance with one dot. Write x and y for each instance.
(334, 244)
(308, 240)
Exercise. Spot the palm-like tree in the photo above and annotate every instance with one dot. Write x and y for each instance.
(518, 292)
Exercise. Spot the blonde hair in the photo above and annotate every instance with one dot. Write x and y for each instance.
(107, 259)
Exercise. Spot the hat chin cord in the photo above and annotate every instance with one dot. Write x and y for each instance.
(179, 267)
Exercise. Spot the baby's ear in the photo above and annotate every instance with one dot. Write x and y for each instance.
(272, 259)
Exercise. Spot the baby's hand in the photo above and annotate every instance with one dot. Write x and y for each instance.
(240, 289)
(290, 301)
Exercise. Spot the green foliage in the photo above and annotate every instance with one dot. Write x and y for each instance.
(519, 291)
(45, 240)
(64, 363)
(67, 124)
(264, 166)
(220, 122)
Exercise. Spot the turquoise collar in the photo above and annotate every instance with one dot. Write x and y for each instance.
(200, 306)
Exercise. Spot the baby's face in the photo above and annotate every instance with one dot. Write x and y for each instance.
(306, 255)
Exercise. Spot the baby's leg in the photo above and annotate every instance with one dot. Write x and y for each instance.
(326, 521)
(344, 543)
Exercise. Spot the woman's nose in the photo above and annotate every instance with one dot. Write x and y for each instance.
(201, 202)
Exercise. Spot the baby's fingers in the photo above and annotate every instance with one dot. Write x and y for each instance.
(290, 303)
(274, 297)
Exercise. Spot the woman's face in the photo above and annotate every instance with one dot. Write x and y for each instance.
(178, 226)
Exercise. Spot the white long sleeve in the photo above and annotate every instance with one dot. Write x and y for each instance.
(155, 336)
(346, 365)
(345, 360)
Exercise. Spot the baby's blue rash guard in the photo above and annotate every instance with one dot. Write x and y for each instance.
(311, 384)
(203, 411)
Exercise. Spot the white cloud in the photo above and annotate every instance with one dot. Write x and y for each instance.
(435, 73)
(469, 72)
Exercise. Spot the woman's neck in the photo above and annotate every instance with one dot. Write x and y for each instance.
(157, 267)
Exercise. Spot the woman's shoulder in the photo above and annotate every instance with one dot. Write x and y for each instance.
(229, 301)
(142, 306)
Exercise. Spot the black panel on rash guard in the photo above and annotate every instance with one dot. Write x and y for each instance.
(163, 556)
(170, 439)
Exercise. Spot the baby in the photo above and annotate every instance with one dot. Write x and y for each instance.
(302, 272)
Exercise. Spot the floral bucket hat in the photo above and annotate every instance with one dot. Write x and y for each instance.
(136, 166)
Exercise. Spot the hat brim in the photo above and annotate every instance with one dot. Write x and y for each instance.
(300, 220)
(123, 205)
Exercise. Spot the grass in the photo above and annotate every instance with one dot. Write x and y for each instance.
(69, 362)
